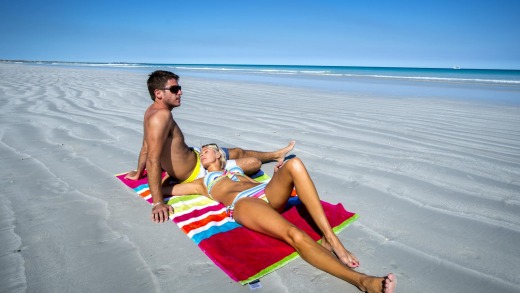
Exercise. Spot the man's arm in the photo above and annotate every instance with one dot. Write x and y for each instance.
(141, 164)
(156, 133)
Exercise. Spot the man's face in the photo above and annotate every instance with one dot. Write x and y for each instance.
(168, 97)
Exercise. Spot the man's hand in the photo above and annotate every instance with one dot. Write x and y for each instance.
(161, 212)
(133, 175)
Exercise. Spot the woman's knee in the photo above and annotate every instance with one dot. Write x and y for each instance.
(296, 237)
(295, 164)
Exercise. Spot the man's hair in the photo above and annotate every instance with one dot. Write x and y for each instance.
(158, 80)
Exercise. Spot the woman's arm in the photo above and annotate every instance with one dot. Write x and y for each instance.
(195, 187)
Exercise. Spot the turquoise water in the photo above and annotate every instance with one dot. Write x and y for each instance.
(488, 85)
(478, 76)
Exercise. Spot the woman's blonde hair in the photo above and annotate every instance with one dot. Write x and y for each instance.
(215, 147)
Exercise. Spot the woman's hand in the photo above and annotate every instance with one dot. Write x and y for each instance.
(278, 166)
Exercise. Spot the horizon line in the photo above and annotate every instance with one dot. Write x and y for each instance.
(250, 64)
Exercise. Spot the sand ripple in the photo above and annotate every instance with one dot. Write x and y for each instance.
(436, 182)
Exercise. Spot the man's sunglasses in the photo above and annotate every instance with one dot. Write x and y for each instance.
(174, 89)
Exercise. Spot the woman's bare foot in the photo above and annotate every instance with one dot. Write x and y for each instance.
(341, 253)
(389, 283)
(282, 153)
(379, 285)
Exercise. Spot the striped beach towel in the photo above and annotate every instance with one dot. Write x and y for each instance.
(244, 255)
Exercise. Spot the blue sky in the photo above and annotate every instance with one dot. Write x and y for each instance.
(469, 34)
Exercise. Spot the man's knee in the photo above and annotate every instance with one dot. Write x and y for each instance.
(235, 153)
(256, 164)
(249, 165)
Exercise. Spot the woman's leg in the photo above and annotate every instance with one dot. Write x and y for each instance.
(259, 216)
(294, 174)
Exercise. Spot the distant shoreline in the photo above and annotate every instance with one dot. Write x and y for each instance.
(246, 65)
(488, 86)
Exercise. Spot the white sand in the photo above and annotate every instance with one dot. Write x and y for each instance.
(436, 183)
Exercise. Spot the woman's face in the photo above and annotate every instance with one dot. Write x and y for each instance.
(208, 156)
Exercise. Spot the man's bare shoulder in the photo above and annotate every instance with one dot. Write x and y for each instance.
(154, 110)
(155, 116)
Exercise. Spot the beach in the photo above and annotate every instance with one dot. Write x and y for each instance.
(435, 181)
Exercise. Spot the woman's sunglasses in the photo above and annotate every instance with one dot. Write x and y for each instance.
(210, 144)
(174, 89)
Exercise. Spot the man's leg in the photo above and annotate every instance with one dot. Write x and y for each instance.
(250, 165)
(263, 157)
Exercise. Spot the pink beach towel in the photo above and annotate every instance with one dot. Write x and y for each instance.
(253, 254)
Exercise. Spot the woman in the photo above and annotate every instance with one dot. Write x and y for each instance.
(256, 206)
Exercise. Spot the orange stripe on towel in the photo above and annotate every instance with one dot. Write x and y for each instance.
(204, 222)
(145, 193)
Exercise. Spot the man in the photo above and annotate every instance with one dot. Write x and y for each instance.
(164, 147)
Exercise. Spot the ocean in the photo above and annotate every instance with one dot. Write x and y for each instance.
(484, 85)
